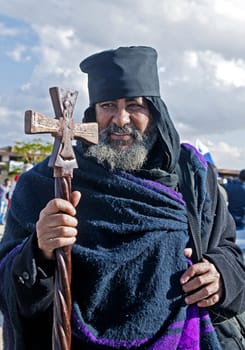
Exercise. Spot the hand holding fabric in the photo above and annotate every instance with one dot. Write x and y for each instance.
(202, 283)
(57, 225)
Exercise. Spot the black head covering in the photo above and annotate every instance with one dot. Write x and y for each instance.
(132, 72)
(124, 72)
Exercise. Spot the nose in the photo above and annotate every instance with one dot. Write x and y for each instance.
(121, 117)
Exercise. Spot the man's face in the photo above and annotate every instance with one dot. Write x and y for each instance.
(126, 133)
(121, 117)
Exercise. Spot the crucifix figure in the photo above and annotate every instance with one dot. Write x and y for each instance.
(63, 161)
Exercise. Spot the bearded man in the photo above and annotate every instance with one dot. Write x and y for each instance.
(137, 282)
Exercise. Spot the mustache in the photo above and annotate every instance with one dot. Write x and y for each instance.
(124, 130)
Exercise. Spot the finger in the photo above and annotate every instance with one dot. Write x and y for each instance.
(188, 252)
(48, 223)
(58, 205)
(203, 292)
(75, 198)
(202, 280)
(49, 246)
(204, 297)
(196, 269)
(56, 232)
(62, 219)
(53, 241)
(58, 238)
(212, 300)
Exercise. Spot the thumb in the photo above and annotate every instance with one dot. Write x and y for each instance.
(75, 198)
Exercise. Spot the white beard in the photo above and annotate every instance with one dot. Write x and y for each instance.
(129, 157)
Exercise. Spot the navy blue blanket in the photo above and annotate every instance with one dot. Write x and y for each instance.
(127, 260)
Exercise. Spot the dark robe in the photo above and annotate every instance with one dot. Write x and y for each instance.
(127, 260)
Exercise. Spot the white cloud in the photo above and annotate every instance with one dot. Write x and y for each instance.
(56, 50)
(25, 87)
(183, 10)
(217, 68)
(192, 58)
(234, 9)
(231, 72)
(223, 153)
(18, 54)
(60, 36)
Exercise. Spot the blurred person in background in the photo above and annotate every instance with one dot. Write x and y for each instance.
(4, 191)
(26, 167)
(236, 199)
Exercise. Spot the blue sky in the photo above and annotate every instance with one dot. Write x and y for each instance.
(15, 39)
(201, 58)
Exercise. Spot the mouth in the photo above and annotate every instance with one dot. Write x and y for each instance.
(115, 136)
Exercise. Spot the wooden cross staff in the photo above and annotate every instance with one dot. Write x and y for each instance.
(63, 162)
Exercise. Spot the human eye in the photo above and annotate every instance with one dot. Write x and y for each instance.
(135, 106)
(107, 105)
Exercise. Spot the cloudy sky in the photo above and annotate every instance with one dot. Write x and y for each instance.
(201, 58)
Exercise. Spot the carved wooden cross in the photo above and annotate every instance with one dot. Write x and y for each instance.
(63, 161)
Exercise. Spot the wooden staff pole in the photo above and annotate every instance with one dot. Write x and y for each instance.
(63, 161)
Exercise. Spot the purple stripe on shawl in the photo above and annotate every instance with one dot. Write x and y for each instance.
(207, 325)
(198, 154)
(181, 334)
(155, 186)
(190, 331)
(175, 195)
(167, 342)
(103, 341)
